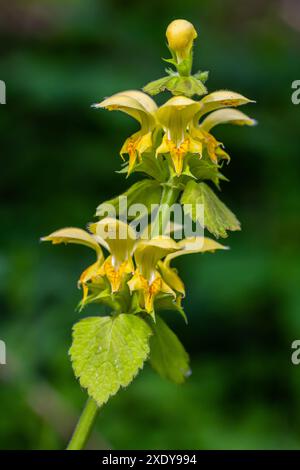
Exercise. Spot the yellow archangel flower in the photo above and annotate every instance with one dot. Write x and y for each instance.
(216, 103)
(112, 234)
(179, 118)
(142, 108)
(146, 279)
(119, 239)
(175, 116)
(79, 237)
(154, 276)
(185, 247)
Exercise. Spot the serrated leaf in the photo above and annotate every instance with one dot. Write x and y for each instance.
(188, 86)
(177, 85)
(204, 169)
(217, 217)
(168, 357)
(107, 353)
(203, 76)
(145, 192)
(157, 86)
(167, 303)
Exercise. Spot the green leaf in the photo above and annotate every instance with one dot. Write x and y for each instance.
(217, 217)
(178, 85)
(202, 76)
(157, 86)
(168, 357)
(167, 303)
(107, 353)
(204, 169)
(188, 86)
(145, 192)
(118, 301)
(154, 167)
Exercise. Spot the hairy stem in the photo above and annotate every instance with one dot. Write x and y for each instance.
(84, 426)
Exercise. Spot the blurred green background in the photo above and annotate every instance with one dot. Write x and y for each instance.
(59, 159)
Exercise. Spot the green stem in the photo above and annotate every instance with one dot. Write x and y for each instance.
(168, 197)
(184, 68)
(84, 426)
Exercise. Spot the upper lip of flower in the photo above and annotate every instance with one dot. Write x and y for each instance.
(221, 99)
(223, 116)
(147, 253)
(175, 115)
(116, 236)
(135, 103)
(185, 247)
(76, 236)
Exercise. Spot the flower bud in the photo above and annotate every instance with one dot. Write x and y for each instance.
(180, 35)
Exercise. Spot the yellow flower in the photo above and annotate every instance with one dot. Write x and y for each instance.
(221, 99)
(154, 276)
(179, 118)
(185, 247)
(175, 117)
(142, 108)
(119, 239)
(147, 279)
(150, 276)
(79, 237)
(224, 116)
(216, 102)
(116, 237)
(180, 35)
